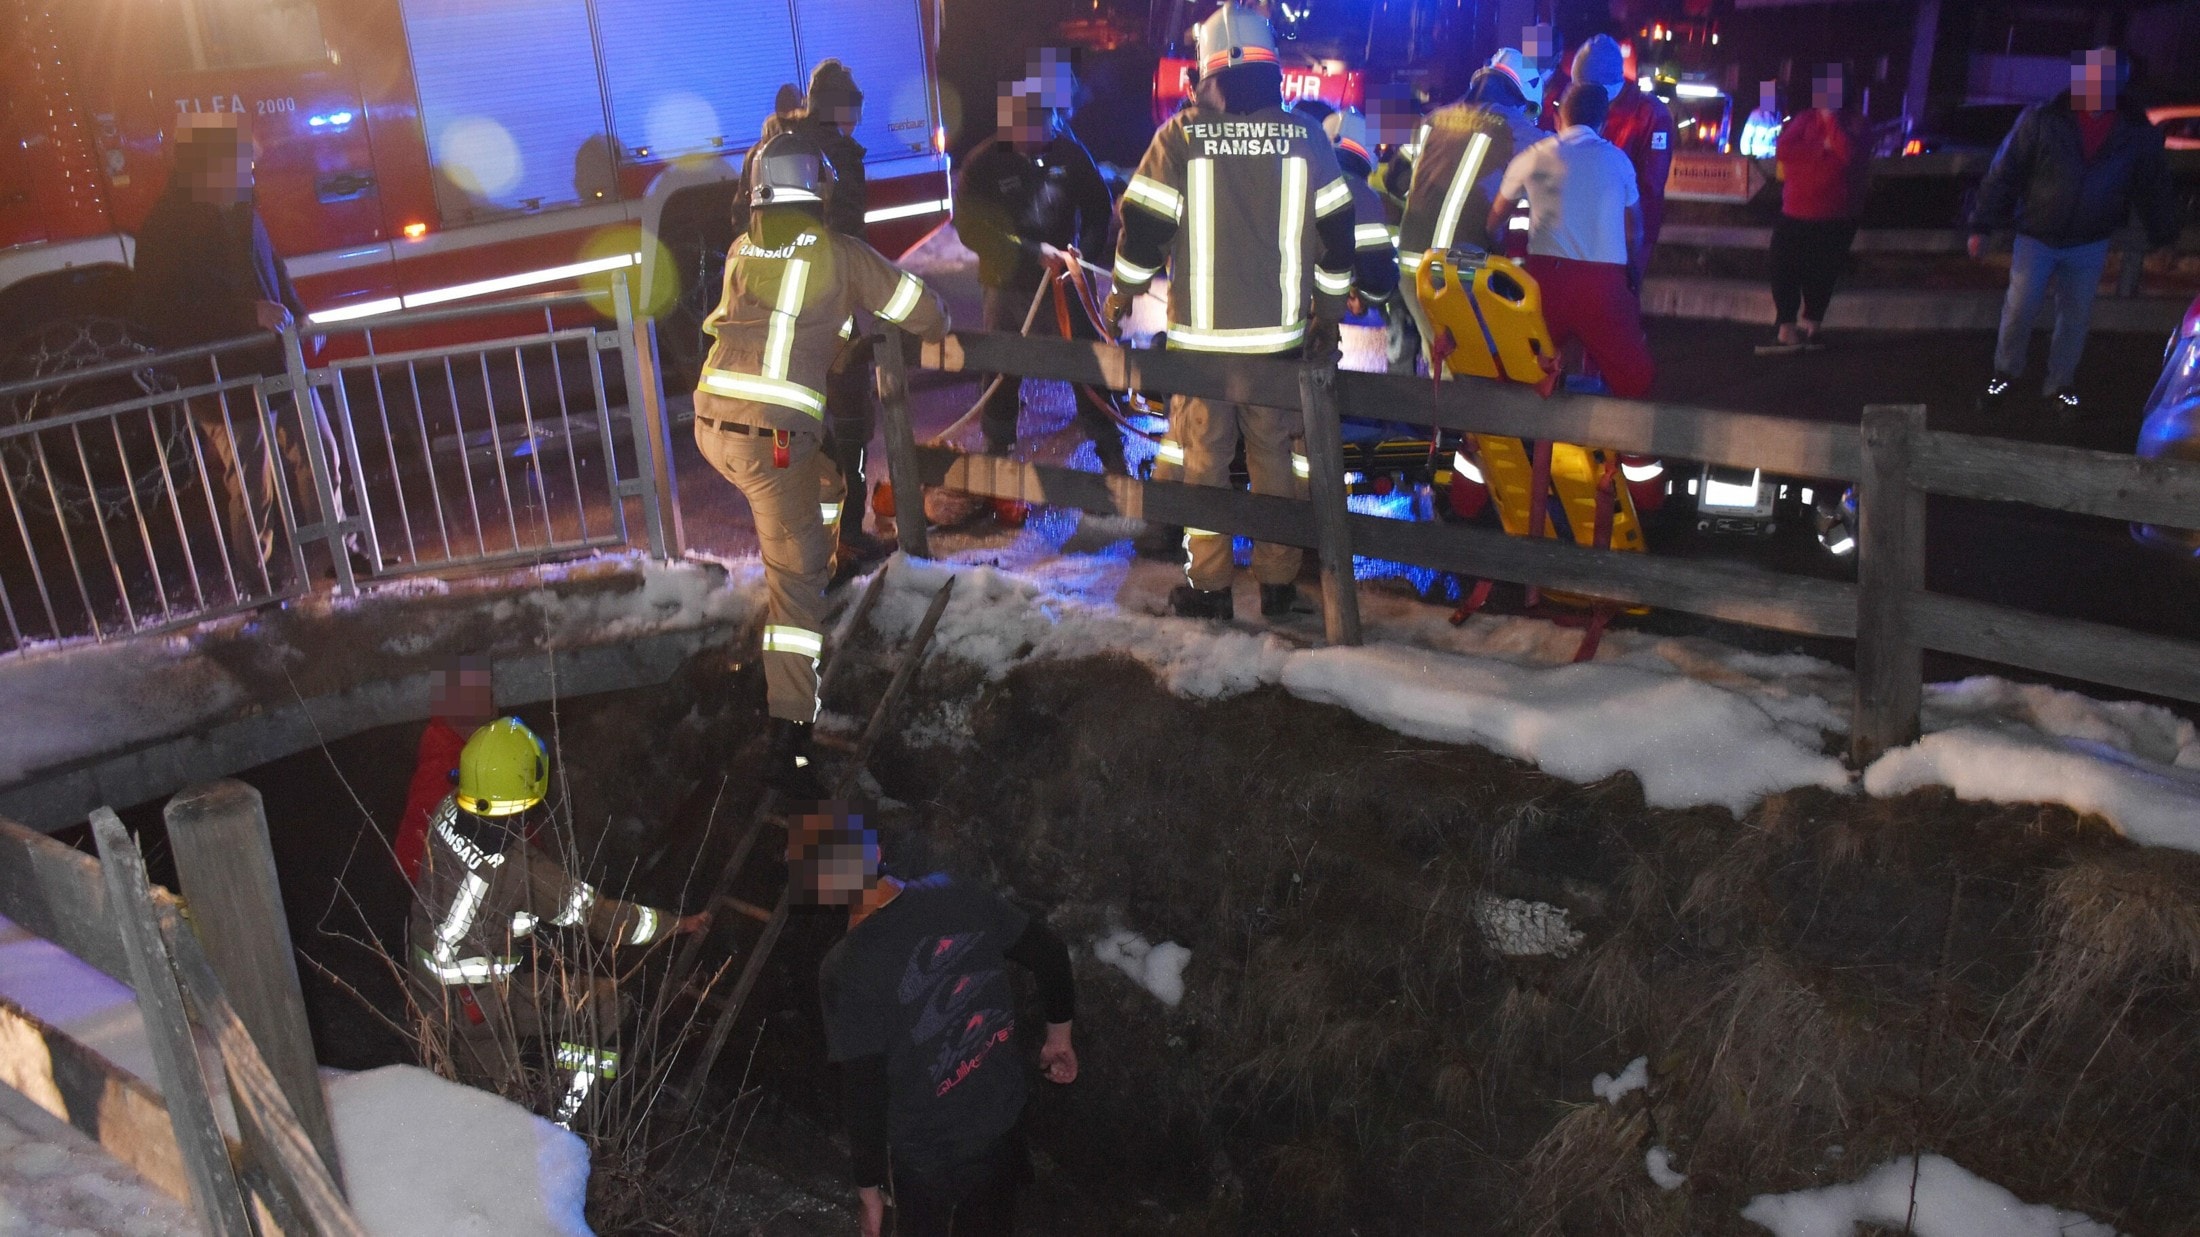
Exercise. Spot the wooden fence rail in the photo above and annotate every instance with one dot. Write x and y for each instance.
(1893, 460)
(105, 913)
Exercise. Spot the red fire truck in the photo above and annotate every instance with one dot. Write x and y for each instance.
(423, 152)
(1326, 80)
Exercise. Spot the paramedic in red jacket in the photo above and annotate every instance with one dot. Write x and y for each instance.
(463, 703)
(1642, 127)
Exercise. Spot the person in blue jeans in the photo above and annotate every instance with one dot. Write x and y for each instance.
(2067, 178)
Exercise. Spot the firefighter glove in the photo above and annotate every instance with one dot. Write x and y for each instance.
(1118, 307)
(1321, 339)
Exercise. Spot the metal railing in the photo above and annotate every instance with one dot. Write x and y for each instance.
(458, 446)
(143, 491)
(146, 490)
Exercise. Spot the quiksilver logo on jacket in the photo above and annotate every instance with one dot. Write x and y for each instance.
(1244, 137)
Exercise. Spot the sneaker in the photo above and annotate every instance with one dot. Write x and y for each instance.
(2066, 406)
(788, 766)
(1188, 602)
(1996, 396)
(1282, 601)
(1785, 342)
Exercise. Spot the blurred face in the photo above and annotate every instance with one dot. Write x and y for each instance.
(1540, 45)
(832, 860)
(215, 155)
(847, 116)
(463, 697)
(1024, 124)
(1825, 91)
(2093, 80)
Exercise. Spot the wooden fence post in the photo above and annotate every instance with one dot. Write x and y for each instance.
(1333, 531)
(218, 831)
(901, 446)
(213, 1180)
(1890, 573)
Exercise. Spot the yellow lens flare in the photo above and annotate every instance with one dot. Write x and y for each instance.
(479, 156)
(652, 276)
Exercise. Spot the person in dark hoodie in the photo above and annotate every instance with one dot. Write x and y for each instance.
(1027, 196)
(2067, 178)
(206, 272)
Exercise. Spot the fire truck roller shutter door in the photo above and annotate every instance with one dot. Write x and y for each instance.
(516, 132)
(884, 45)
(674, 91)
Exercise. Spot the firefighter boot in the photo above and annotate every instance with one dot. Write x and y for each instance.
(1282, 601)
(788, 767)
(1188, 602)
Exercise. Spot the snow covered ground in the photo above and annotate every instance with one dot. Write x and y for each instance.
(1931, 1196)
(420, 1155)
(1699, 722)
(55, 1182)
(68, 702)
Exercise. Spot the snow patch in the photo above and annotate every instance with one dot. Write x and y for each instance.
(1689, 741)
(1522, 929)
(1658, 1162)
(1158, 969)
(2135, 765)
(1636, 1077)
(1947, 1201)
(425, 1155)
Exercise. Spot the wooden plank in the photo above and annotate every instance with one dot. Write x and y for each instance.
(212, 1180)
(271, 1127)
(1728, 593)
(107, 1102)
(2102, 483)
(1262, 517)
(1890, 572)
(218, 831)
(901, 447)
(1781, 445)
(1325, 480)
(56, 892)
(2071, 648)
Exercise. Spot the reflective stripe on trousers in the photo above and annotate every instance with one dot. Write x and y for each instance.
(797, 548)
(1208, 430)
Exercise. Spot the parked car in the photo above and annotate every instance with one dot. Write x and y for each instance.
(2171, 428)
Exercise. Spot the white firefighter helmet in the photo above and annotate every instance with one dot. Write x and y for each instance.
(1524, 73)
(1347, 131)
(1235, 35)
(790, 169)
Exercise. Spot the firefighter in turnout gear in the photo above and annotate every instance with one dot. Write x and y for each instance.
(1465, 149)
(1244, 204)
(792, 289)
(484, 890)
(1374, 244)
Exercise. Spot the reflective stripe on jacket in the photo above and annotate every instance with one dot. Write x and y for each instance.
(1237, 206)
(475, 903)
(791, 284)
(1464, 149)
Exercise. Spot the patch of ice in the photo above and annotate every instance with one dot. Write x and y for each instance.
(1658, 1162)
(1522, 929)
(1947, 1201)
(425, 1155)
(1158, 969)
(1635, 1077)
(1689, 741)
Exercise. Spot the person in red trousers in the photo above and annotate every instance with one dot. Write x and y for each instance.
(463, 703)
(1584, 234)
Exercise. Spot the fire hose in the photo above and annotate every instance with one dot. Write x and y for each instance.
(1061, 282)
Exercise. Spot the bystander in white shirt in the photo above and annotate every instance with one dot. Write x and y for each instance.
(1578, 187)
